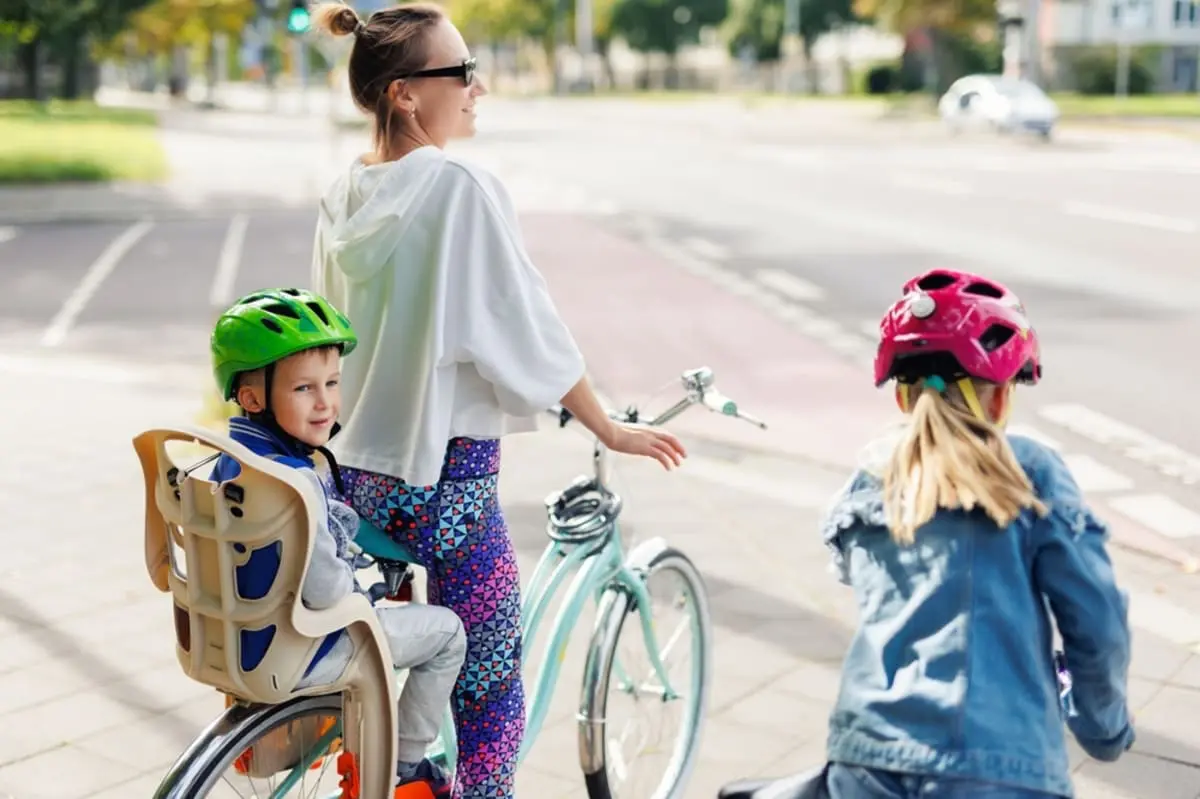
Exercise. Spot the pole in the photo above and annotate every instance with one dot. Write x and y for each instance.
(560, 40)
(791, 34)
(1121, 81)
(585, 31)
(302, 69)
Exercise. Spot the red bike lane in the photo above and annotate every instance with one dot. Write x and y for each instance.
(642, 320)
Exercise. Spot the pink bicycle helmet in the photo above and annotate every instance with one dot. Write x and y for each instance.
(952, 325)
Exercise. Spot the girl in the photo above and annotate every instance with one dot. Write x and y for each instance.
(962, 545)
(459, 345)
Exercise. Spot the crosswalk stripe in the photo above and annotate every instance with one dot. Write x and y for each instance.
(1137, 445)
(1092, 476)
(1029, 431)
(1159, 513)
(790, 285)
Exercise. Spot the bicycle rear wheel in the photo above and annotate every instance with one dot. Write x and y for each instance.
(614, 671)
(262, 751)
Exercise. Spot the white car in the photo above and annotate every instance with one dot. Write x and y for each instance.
(994, 102)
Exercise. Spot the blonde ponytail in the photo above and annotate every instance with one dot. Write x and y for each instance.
(950, 458)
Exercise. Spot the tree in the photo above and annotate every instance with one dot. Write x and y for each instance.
(165, 24)
(953, 16)
(952, 32)
(506, 20)
(62, 28)
(760, 25)
(664, 26)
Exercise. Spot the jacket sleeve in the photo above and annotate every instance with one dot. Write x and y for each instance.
(329, 578)
(499, 313)
(1073, 570)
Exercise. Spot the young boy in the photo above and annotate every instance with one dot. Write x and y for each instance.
(277, 353)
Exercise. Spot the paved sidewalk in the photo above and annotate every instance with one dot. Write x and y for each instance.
(93, 705)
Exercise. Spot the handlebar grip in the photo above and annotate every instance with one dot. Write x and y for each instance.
(716, 401)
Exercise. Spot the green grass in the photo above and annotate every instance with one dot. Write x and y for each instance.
(77, 141)
(1072, 106)
(1175, 106)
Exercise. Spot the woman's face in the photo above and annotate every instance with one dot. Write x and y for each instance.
(445, 105)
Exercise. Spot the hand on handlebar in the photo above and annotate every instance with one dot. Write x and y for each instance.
(651, 442)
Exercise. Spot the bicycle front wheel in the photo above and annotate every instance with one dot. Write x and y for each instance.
(260, 751)
(626, 758)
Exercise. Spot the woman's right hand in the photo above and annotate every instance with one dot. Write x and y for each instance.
(651, 442)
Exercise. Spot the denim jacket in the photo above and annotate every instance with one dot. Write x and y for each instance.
(951, 671)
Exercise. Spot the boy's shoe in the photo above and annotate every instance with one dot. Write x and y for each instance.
(427, 774)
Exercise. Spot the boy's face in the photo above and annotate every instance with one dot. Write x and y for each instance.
(306, 395)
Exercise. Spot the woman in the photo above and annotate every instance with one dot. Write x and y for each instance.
(460, 344)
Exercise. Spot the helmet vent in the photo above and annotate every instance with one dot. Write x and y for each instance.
(320, 312)
(272, 325)
(280, 309)
(290, 292)
(984, 289)
(996, 336)
(935, 281)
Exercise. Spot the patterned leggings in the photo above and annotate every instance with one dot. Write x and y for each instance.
(456, 531)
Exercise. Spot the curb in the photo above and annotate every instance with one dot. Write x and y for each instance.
(128, 212)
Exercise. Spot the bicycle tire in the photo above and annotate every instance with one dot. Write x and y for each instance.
(203, 763)
(614, 610)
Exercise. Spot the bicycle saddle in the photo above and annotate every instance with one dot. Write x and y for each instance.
(806, 785)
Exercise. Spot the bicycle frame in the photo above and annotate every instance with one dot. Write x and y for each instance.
(600, 569)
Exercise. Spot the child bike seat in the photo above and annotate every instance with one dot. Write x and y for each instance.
(254, 638)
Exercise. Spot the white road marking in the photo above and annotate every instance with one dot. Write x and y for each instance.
(850, 344)
(789, 285)
(1133, 443)
(228, 262)
(95, 276)
(798, 494)
(1037, 435)
(1093, 476)
(7, 234)
(1160, 514)
(817, 160)
(706, 249)
(819, 327)
(1126, 216)
(906, 180)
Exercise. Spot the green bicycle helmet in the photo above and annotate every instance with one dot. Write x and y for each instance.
(267, 326)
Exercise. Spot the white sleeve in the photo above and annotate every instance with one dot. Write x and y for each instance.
(329, 578)
(499, 313)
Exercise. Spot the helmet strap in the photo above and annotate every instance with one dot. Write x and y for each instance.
(967, 387)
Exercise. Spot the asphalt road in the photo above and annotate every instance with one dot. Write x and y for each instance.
(819, 213)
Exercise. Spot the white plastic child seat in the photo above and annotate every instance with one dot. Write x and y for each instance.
(255, 641)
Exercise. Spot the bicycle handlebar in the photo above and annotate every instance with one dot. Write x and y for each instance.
(699, 390)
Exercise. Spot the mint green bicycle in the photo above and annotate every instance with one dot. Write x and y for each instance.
(583, 527)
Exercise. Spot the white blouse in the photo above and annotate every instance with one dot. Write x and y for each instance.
(458, 335)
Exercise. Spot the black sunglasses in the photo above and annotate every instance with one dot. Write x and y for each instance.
(464, 71)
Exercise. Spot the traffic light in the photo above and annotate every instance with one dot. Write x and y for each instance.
(298, 19)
